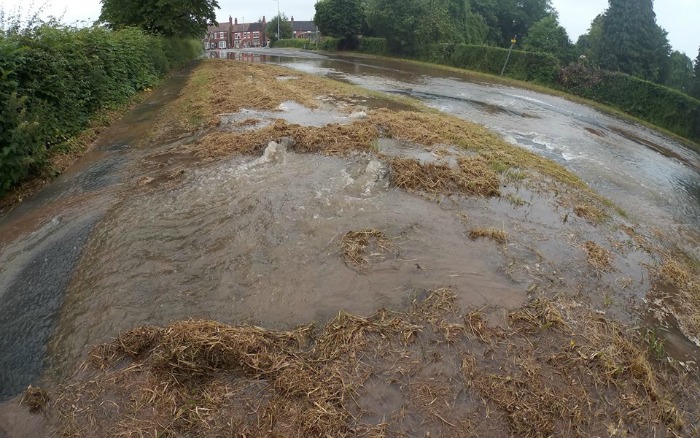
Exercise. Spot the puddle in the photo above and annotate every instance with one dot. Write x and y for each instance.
(289, 111)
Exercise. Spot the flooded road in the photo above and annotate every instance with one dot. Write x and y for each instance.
(43, 238)
(652, 177)
(140, 233)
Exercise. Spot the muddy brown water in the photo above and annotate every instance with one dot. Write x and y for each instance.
(137, 234)
(650, 176)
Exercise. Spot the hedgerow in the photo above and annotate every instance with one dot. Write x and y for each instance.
(53, 78)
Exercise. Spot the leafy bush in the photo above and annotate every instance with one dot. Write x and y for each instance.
(526, 66)
(299, 43)
(53, 78)
(375, 46)
(662, 106)
(330, 44)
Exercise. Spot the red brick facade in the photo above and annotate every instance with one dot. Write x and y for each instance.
(233, 35)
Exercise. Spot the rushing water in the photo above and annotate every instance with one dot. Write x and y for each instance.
(257, 239)
(650, 176)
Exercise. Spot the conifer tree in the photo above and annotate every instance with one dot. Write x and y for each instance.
(632, 42)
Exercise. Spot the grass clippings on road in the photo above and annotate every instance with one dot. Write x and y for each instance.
(554, 369)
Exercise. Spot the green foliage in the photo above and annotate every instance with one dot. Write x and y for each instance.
(508, 18)
(54, 78)
(411, 27)
(695, 91)
(549, 37)
(374, 46)
(526, 66)
(286, 31)
(171, 18)
(330, 44)
(632, 42)
(651, 102)
(680, 74)
(299, 43)
(339, 18)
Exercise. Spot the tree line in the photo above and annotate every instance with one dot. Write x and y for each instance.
(625, 37)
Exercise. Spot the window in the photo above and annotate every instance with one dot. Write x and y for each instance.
(256, 34)
(222, 35)
(222, 44)
(238, 36)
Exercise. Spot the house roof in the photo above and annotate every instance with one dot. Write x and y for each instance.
(304, 26)
(247, 27)
(222, 27)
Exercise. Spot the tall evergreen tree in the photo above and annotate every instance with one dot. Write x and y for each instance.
(631, 40)
(695, 92)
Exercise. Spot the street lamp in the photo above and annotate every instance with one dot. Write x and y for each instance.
(278, 18)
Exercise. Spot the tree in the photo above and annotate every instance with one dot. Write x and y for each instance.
(695, 92)
(509, 18)
(339, 18)
(589, 43)
(632, 42)
(548, 36)
(285, 28)
(680, 74)
(186, 18)
(411, 26)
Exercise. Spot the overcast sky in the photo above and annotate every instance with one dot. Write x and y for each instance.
(679, 17)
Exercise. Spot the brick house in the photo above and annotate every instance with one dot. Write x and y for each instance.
(303, 29)
(234, 35)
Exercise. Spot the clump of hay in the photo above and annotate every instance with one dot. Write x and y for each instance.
(333, 139)
(35, 399)
(355, 244)
(473, 176)
(589, 212)
(599, 257)
(499, 236)
(683, 300)
(557, 369)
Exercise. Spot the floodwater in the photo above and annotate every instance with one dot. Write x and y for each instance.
(138, 234)
(650, 176)
(42, 240)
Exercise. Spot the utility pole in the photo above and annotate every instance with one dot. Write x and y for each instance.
(278, 19)
(512, 43)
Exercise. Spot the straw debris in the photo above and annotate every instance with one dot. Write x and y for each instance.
(499, 236)
(472, 177)
(357, 247)
(599, 257)
(35, 399)
(556, 370)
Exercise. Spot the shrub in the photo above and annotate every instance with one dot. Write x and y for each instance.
(662, 106)
(53, 78)
(330, 44)
(299, 43)
(375, 46)
(526, 66)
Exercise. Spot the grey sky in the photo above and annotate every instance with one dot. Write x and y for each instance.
(679, 17)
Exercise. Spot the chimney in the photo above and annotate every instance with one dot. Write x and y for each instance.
(236, 22)
(264, 21)
(230, 20)
(292, 19)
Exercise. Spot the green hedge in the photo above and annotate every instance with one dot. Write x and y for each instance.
(299, 43)
(330, 44)
(662, 106)
(374, 46)
(54, 78)
(526, 66)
